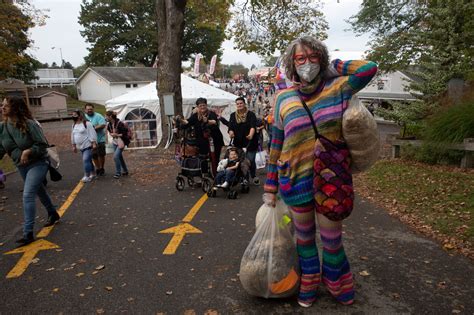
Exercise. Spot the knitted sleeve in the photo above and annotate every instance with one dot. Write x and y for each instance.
(38, 149)
(276, 145)
(358, 73)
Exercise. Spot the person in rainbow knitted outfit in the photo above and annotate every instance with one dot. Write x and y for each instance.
(326, 87)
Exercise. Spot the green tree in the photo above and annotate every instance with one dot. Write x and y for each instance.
(17, 18)
(264, 26)
(125, 31)
(269, 61)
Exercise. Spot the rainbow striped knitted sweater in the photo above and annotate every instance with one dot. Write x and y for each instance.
(290, 167)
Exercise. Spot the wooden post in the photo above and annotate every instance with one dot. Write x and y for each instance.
(468, 158)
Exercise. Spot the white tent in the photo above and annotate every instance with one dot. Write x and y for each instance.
(141, 108)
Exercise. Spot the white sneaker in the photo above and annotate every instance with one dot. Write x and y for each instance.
(92, 177)
(225, 185)
(305, 304)
(86, 179)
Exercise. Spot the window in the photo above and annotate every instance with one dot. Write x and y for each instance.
(127, 85)
(135, 85)
(144, 128)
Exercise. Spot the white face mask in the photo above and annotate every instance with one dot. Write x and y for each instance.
(308, 71)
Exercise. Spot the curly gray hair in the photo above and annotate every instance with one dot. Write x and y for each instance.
(310, 42)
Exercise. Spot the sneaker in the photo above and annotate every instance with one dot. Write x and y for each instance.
(305, 304)
(52, 219)
(92, 177)
(256, 181)
(86, 179)
(125, 174)
(225, 185)
(27, 239)
(245, 182)
(117, 176)
(101, 172)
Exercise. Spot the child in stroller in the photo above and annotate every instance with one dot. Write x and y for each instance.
(232, 171)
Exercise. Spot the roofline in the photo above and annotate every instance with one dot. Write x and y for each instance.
(85, 72)
(49, 92)
(120, 82)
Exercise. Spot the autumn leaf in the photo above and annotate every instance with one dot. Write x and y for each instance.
(100, 267)
(364, 273)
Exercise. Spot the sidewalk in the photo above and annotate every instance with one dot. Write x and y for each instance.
(116, 224)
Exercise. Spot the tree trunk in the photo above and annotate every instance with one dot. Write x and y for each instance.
(170, 16)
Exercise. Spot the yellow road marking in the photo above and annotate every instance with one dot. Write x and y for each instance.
(46, 230)
(179, 232)
(32, 249)
(194, 210)
(29, 252)
(182, 229)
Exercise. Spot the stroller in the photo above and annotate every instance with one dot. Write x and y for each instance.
(240, 180)
(195, 169)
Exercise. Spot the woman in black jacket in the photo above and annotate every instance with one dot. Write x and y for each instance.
(206, 125)
(242, 129)
(119, 132)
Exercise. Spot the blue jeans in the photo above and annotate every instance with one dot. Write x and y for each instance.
(87, 161)
(250, 155)
(225, 176)
(119, 161)
(33, 175)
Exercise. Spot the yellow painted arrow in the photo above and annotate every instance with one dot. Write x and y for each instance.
(179, 232)
(29, 252)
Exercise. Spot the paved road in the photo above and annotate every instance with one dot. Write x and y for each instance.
(110, 254)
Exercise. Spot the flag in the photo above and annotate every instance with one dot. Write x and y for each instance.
(213, 64)
(197, 60)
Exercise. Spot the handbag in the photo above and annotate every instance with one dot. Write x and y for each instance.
(332, 181)
(54, 174)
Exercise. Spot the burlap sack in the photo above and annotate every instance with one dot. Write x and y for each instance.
(359, 129)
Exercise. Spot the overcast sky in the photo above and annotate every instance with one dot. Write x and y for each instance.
(62, 31)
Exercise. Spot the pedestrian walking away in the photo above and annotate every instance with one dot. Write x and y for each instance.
(309, 162)
(98, 121)
(84, 138)
(119, 133)
(242, 131)
(23, 140)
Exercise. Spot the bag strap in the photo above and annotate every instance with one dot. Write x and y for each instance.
(316, 133)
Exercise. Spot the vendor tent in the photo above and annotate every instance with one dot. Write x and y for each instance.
(141, 109)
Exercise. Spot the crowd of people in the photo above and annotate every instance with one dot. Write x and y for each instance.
(305, 140)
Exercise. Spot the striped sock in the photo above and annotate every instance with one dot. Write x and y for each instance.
(305, 227)
(337, 275)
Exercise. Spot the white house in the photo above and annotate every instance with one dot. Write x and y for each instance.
(99, 84)
(393, 86)
(53, 77)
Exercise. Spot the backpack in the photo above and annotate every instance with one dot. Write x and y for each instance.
(129, 131)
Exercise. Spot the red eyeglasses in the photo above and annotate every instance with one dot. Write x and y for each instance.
(301, 59)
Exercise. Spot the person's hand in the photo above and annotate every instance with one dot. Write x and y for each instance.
(269, 199)
(249, 137)
(25, 156)
(94, 145)
(231, 134)
(211, 122)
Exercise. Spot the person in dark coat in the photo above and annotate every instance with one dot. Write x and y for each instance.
(242, 131)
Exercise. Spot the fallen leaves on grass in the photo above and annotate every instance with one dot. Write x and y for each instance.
(364, 273)
(434, 200)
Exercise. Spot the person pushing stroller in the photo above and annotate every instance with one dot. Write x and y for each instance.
(227, 168)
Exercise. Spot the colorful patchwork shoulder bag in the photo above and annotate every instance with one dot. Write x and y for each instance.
(334, 194)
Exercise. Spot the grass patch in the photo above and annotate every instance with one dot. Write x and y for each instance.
(436, 196)
(76, 104)
(6, 164)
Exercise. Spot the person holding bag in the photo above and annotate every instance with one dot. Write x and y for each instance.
(84, 138)
(118, 131)
(23, 140)
(309, 163)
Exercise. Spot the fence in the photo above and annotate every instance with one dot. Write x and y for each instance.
(467, 146)
(45, 115)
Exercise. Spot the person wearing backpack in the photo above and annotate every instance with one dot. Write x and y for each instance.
(84, 138)
(23, 140)
(120, 135)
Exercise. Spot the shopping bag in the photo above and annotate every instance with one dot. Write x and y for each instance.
(360, 132)
(261, 159)
(269, 266)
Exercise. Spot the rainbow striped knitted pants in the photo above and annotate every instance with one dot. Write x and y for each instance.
(336, 272)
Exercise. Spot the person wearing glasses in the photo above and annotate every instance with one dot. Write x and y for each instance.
(325, 89)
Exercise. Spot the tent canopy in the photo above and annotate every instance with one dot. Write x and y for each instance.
(146, 98)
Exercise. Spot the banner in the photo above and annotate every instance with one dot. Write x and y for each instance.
(196, 64)
(213, 64)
